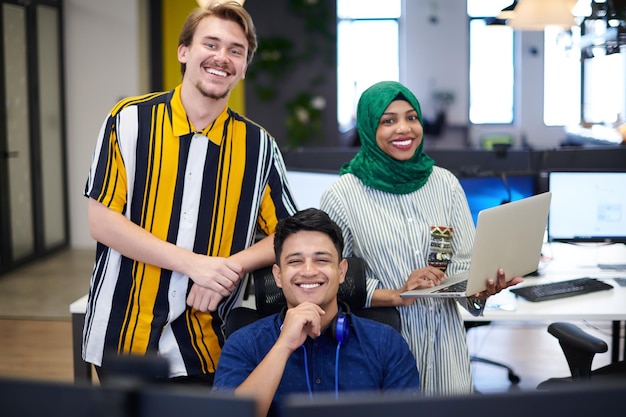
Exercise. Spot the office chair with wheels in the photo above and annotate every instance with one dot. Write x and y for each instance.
(513, 377)
(579, 348)
(269, 299)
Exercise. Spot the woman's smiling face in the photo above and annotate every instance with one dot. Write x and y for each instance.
(399, 131)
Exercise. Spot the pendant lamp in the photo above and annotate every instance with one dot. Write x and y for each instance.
(508, 12)
(537, 14)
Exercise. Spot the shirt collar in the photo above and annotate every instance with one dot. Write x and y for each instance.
(181, 125)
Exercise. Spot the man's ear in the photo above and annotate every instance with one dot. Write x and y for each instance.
(343, 268)
(276, 273)
(182, 54)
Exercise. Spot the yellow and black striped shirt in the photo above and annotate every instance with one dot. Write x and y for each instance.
(204, 191)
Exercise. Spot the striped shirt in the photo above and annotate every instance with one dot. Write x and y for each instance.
(392, 233)
(204, 191)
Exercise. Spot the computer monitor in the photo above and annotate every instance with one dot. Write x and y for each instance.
(490, 190)
(130, 397)
(307, 187)
(189, 401)
(22, 397)
(587, 206)
(574, 401)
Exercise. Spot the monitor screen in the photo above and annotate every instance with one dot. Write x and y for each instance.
(307, 187)
(172, 400)
(121, 397)
(572, 401)
(587, 206)
(488, 191)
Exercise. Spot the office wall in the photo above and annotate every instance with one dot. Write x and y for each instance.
(434, 54)
(102, 64)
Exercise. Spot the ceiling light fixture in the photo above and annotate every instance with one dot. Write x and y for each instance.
(508, 12)
(537, 14)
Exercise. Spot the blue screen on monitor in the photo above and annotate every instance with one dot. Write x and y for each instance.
(484, 192)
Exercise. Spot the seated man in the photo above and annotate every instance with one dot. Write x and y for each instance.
(315, 344)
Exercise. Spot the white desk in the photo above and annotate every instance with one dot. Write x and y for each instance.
(82, 370)
(566, 262)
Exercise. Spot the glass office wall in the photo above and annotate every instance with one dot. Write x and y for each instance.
(19, 170)
(33, 203)
(50, 124)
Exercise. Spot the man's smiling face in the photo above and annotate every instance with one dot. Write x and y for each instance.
(216, 59)
(310, 269)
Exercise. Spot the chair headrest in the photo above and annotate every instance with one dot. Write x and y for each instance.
(270, 299)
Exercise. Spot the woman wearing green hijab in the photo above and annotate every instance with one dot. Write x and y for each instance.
(394, 206)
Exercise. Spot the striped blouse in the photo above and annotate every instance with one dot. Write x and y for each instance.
(204, 191)
(392, 233)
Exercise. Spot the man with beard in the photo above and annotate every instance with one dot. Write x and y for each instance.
(178, 187)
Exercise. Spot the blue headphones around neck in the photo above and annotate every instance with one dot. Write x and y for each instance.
(340, 327)
(340, 330)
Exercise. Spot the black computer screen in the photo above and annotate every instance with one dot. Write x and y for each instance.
(486, 191)
(573, 401)
(22, 397)
(587, 206)
(125, 397)
(189, 401)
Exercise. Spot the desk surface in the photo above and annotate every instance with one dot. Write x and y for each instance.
(560, 262)
(79, 306)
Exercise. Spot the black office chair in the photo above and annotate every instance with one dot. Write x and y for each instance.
(269, 299)
(579, 348)
(513, 377)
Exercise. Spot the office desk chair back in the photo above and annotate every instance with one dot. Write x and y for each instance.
(579, 348)
(269, 299)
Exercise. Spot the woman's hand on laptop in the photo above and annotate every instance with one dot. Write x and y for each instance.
(424, 278)
(494, 287)
(420, 278)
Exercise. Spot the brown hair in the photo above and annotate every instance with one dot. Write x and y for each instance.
(229, 10)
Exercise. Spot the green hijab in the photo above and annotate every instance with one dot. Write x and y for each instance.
(371, 165)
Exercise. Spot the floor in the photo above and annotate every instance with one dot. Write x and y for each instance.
(35, 330)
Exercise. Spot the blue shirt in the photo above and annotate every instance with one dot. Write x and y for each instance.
(375, 357)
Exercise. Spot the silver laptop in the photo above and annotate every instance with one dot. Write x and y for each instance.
(509, 236)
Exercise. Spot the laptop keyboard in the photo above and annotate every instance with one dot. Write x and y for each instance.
(458, 287)
(561, 289)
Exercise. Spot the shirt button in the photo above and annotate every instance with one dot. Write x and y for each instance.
(173, 294)
(318, 381)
